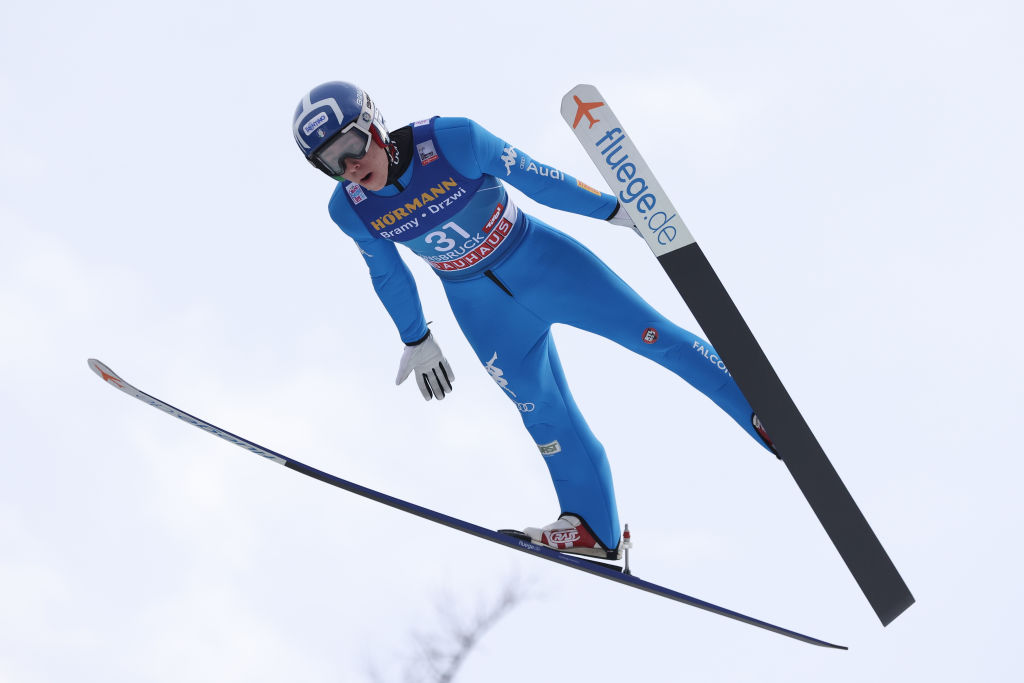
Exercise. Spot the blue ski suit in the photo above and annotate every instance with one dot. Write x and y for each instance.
(508, 277)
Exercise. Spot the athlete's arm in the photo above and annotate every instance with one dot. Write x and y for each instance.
(474, 151)
(391, 278)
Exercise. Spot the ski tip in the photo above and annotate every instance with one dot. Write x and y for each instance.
(575, 90)
(582, 92)
(105, 373)
(578, 103)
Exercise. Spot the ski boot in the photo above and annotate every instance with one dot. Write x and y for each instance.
(569, 534)
(759, 428)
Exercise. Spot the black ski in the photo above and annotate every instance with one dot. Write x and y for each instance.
(639, 192)
(603, 570)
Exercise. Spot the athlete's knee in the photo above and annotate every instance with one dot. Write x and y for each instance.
(542, 414)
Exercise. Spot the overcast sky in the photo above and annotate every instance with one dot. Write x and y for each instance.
(853, 172)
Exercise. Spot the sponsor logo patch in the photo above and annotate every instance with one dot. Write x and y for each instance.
(355, 193)
(509, 159)
(588, 188)
(550, 448)
(498, 375)
(421, 123)
(498, 211)
(426, 152)
(650, 335)
(309, 126)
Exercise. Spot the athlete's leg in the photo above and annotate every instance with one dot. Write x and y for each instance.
(516, 348)
(593, 298)
(592, 496)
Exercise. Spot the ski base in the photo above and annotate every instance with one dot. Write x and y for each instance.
(609, 147)
(811, 469)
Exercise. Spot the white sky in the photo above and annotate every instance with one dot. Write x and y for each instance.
(854, 175)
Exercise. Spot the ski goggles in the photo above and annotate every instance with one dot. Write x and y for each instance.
(351, 142)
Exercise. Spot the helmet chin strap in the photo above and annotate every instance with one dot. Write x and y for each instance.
(390, 147)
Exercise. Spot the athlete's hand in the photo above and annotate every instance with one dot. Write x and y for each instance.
(620, 217)
(433, 374)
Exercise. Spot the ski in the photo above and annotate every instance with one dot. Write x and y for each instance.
(603, 570)
(620, 164)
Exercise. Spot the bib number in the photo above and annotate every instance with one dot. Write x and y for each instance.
(444, 242)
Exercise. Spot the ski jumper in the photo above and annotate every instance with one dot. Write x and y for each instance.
(508, 277)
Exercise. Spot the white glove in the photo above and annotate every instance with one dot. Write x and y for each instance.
(433, 373)
(620, 217)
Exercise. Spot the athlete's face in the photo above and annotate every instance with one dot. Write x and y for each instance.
(371, 171)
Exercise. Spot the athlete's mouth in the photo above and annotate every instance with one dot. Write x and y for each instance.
(362, 181)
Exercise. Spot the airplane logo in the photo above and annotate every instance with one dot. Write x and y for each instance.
(106, 373)
(113, 379)
(583, 109)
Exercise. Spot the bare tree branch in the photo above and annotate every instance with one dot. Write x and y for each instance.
(439, 654)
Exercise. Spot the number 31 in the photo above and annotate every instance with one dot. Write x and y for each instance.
(444, 242)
